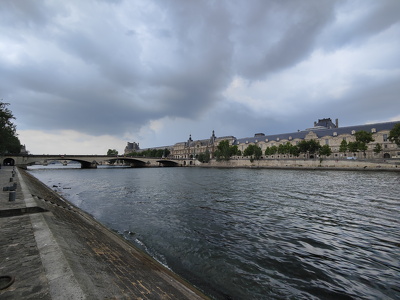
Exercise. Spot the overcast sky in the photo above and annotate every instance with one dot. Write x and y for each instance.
(86, 76)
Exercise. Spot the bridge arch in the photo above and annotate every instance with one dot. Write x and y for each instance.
(88, 161)
(8, 162)
(167, 163)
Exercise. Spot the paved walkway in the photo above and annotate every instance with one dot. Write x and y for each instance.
(53, 250)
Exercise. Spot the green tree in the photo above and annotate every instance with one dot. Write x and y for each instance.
(343, 146)
(294, 150)
(378, 148)
(166, 152)
(363, 138)
(314, 146)
(325, 150)
(9, 142)
(204, 157)
(257, 152)
(362, 147)
(287, 148)
(112, 152)
(253, 150)
(223, 151)
(394, 134)
(249, 151)
(282, 149)
(271, 150)
(151, 153)
(234, 150)
(311, 146)
(352, 146)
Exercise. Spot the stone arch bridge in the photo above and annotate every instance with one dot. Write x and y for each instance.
(90, 161)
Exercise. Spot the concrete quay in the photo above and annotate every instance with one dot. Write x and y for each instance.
(50, 249)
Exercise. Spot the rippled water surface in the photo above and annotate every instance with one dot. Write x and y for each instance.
(253, 234)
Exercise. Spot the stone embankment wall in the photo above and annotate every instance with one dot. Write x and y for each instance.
(305, 164)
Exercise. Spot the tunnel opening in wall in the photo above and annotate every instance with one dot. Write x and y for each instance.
(8, 162)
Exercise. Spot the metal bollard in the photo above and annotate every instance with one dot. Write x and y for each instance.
(11, 196)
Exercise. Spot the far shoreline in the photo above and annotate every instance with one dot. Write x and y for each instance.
(299, 164)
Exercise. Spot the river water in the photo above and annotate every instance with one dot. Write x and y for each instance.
(253, 233)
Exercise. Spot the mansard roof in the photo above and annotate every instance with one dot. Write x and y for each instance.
(326, 123)
(320, 131)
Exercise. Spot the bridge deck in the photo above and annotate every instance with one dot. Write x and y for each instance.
(89, 161)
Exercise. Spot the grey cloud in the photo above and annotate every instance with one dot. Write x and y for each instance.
(361, 22)
(281, 34)
(112, 66)
(24, 14)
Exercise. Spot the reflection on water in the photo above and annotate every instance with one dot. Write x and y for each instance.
(253, 234)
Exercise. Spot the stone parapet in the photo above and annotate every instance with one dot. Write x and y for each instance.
(393, 165)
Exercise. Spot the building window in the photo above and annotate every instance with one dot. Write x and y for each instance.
(344, 139)
(266, 140)
(290, 138)
(385, 137)
(385, 146)
(353, 132)
(256, 141)
(277, 139)
(335, 134)
(326, 142)
(373, 130)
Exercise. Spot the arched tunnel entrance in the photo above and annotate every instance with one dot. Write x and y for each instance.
(8, 162)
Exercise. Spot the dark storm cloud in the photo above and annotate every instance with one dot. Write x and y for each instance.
(113, 66)
(275, 35)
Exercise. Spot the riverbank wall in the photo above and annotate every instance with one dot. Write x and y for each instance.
(51, 249)
(314, 164)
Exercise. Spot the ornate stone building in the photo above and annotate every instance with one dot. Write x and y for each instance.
(324, 131)
(131, 147)
(329, 133)
(190, 148)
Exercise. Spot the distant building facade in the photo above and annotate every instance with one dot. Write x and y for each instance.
(131, 147)
(325, 131)
(328, 133)
(134, 147)
(191, 148)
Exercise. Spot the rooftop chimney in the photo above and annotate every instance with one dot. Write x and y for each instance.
(337, 123)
